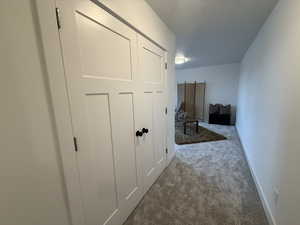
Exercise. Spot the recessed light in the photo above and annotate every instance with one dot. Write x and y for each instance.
(180, 60)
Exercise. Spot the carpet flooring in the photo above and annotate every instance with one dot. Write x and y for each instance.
(206, 184)
(192, 137)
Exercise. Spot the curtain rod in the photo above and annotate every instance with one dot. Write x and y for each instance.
(190, 82)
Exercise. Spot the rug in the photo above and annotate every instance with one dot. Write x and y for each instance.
(192, 137)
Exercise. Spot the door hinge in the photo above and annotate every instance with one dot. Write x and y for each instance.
(166, 110)
(75, 144)
(167, 151)
(57, 12)
(166, 66)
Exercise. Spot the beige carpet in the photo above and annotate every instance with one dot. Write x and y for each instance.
(206, 184)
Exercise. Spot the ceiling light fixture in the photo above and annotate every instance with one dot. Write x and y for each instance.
(180, 60)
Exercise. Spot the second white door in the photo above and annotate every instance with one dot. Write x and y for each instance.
(152, 71)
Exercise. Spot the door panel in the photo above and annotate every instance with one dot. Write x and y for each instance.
(152, 63)
(160, 131)
(98, 123)
(152, 70)
(151, 67)
(148, 142)
(111, 47)
(124, 141)
(100, 58)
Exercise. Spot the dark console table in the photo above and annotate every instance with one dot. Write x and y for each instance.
(185, 123)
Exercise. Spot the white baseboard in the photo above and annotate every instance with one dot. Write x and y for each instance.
(259, 188)
(170, 158)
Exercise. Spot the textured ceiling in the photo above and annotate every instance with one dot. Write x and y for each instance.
(213, 32)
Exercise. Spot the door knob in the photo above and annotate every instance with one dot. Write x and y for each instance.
(139, 134)
(145, 131)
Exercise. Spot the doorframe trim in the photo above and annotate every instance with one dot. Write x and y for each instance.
(54, 71)
(121, 19)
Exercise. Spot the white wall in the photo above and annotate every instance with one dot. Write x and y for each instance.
(32, 189)
(222, 83)
(268, 110)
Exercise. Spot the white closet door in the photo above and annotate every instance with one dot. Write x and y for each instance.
(152, 71)
(100, 57)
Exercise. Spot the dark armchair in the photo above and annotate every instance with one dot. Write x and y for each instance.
(219, 114)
